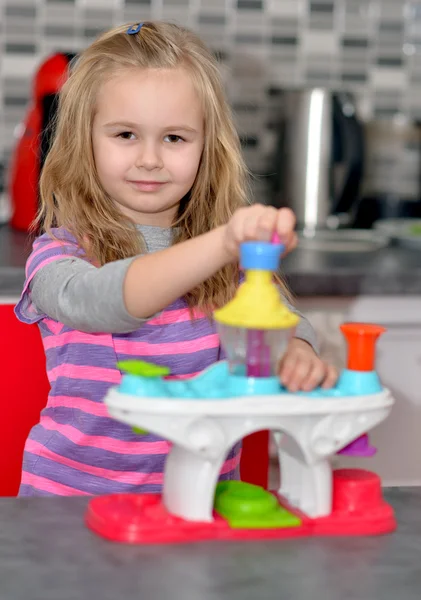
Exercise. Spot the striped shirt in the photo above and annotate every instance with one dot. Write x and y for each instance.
(76, 448)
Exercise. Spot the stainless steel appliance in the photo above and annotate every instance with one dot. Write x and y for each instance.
(319, 158)
(392, 181)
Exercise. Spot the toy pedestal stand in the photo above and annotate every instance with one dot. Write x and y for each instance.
(206, 415)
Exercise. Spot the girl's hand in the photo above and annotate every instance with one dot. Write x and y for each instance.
(259, 223)
(302, 369)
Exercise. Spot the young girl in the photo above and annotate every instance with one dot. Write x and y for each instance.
(143, 203)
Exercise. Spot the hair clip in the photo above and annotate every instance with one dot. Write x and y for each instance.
(134, 29)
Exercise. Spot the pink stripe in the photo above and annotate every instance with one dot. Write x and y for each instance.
(96, 409)
(29, 278)
(103, 442)
(47, 485)
(78, 337)
(146, 349)
(131, 347)
(44, 247)
(231, 464)
(129, 477)
(54, 326)
(84, 372)
(170, 317)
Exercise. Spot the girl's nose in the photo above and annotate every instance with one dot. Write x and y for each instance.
(149, 156)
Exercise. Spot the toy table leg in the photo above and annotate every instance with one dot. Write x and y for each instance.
(290, 478)
(307, 487)
(189, 484)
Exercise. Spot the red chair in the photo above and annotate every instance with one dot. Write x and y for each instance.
(24, 394)
(254, 467)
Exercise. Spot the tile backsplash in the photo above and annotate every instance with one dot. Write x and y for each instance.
(372, 47)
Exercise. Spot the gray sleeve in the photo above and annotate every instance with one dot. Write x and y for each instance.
(86, 298)
(73, 292)
(304, 330)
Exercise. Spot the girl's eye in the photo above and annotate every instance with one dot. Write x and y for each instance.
(126, 135)
(173, 139)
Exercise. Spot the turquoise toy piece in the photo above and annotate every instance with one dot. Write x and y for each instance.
(217, 382)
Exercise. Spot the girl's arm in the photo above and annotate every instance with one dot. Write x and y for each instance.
(169, 274)
(117, 297)
(173, 272)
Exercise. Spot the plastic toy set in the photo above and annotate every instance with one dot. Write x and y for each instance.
(206, 415)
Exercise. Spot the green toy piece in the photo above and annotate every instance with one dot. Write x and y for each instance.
(142, 368)
(139, 431)
(247, 506)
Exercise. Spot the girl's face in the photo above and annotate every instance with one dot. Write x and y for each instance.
(147, 136)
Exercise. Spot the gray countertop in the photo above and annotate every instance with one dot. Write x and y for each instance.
(46, 553)
(390, 271)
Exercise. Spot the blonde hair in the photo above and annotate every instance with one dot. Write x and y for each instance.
(70, 191)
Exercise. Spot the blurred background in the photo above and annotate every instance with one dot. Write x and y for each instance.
(267, 48)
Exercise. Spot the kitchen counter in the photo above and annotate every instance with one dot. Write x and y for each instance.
(46, 553)
(390, 271)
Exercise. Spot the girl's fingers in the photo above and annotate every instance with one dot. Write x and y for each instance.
(293, 242)
(286, 369)
(316, 376)
(258, 222)
(285, 225)
(267, 223)
(253, 222)
(331, 377)
(299, 374)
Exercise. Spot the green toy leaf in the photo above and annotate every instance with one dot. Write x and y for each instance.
(139, 431)
(142, 368)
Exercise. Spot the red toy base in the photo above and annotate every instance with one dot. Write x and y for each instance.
(358, 509)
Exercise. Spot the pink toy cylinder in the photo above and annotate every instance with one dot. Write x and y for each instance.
(355, 490)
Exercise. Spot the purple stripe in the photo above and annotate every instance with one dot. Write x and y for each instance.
(96, 457)
(183, 364)
(179, 364)
(173, 332)
(45, 330)
(231, 475)
(60, 233)
(82, 354)
(26, 490)
(234, 451)
(89, 424)
(85, 482)
(80, 388)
